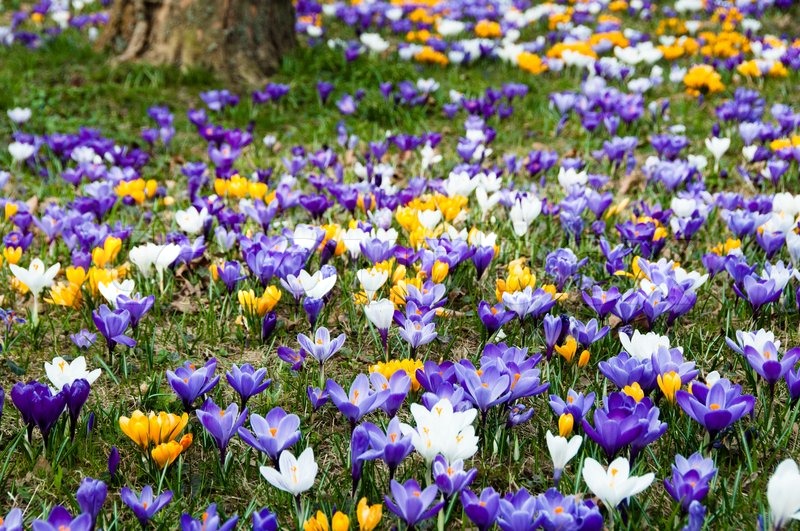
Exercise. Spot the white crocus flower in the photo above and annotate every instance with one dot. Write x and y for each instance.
(296, 475)
(569, 177)
(372, 280)
(19, 115)
(36, 278)
(717, 146)
(380, 313)
(562, 451)
(374, 42)
(21, 151)
(61, 372)
(191, 221)
(783, 495)
(112, 290)
(523, 212)
(144, 257)
(642, 346)
(441, 430)
(616, 484)
(316, 286)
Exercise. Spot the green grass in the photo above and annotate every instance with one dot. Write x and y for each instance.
(68, 85)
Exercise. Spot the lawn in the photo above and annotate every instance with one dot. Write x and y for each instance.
(574, 250)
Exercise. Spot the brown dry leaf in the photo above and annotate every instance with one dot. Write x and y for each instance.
(33, 203)
(184, 306)
(630, 180)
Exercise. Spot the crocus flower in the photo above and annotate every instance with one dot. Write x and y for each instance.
(296, 475)
(716, 406)
(690, 479)
(441, 430)
(221, 424)
(567, 512)
(368, 516)
(769, 364)
(451, 478)
(38, 406)
(783, 495)
(265, 520)
(83, 339)
(392, 446)
(12, 521)
(361, 400)
(189, 382)
(247, 381)
(272, 434)
(61, 372)
(137, 306)
(91, 496)
(60, 519)
(616, 484)
(561, 452)
(208, 521)
(113, 462)
(144, 505)
(113, 325)
(75, 395)
(35, 278)
(516, 512)
(481, 510)
(380, 314)
(321, 348)
(411, 503)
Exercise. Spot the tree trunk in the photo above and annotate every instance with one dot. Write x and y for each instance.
(242, 40)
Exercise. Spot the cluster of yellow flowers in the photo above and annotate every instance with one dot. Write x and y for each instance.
(159, 431)
(238, 187)
(137, 189)
(410, 366)
(259, 305)
(369, 516)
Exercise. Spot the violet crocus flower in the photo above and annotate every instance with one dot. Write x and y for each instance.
(137, 306)
(690, 479)
(768, 363)
(295, 357)
(602, 302)
(91, 496)
(417, 333)
(265, 520)
(451, 478)
(318, 397)
(493, 317)
(395, 389)
(113, 324)
(38, 406)
(221, 424)
(75, 395)
(144, 505)
(83, 339)
(247, 381)
(485, 388)
(624, 422)
(60, 519)
(13, 520)
(717, 406)
(113, 462)
(361, 400)
(516, 512)
(321, 348)
(567, 512)
(392, 447)
(209, 521)
(273, 434)
(189, 382)
(412, 503)
(481, 510)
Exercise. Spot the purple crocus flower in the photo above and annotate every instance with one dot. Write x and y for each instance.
(113, 325)
(485, 388)
(602, 302)
(113, 462)
(295, 357)
(623, 370)
(60, 519)
(247, 381)
(619, 423)
(137, 306)
(189, 382)
(481, 510)
(265, 520)
(690, 479)
(83, 339)
(493, 317)
(13, 520)
(395, 389)
(392, 446)
(769, 364)
(516, 512)
(221, 424)
(75, 395)
(321, 348)
(567, 512)
(209, 521)
(417, 333)
(91, 496)
(361, 400)
(411, 503)
(318, 397)
(144, 505)
(715, 407)
(577, 404)
(38, 406)
(451, 478)
(272, 434)
(324, 90)
(268, 325)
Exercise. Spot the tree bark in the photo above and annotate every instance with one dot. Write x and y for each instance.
(242, 40)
